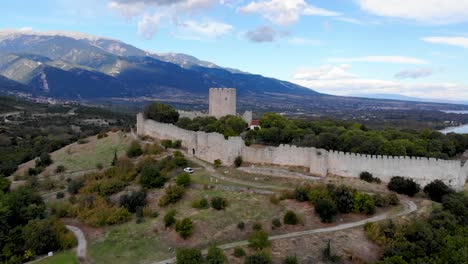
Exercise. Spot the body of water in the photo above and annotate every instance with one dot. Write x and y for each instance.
(459, 129)
(455, 112)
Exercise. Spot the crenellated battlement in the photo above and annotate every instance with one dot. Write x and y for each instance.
(320, 162)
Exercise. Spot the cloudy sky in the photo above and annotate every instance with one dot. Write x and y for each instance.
(410, 47)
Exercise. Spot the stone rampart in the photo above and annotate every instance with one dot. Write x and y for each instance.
(320, 162)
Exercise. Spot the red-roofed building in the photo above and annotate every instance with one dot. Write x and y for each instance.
(255, 124)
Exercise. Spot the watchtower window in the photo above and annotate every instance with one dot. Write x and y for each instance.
(225, 98)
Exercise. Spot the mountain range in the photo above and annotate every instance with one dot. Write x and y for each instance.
(79, 66)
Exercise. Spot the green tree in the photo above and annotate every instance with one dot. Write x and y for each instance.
(436, 190)
(151, 177)
(169, 218)
(183, 179)
(326, 210)
(4, 184)
(218, 203)
(216, 256)
(134, 150)
(343, 197)
(259, 240)
(258, 258)
(40, 236)
(290, 218)
(189, 256)
(161, 113)
(184, 228)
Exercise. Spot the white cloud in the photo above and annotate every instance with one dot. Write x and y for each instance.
(262, 34)
(432, 11)
(284, 12)
(454, 41)
(210, 29)
(338, 80)
(148, 25)
(415, 73)
(381, 59)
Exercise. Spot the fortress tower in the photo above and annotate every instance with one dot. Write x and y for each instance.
(222, 102)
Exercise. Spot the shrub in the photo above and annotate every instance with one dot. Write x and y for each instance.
(274, 199)
(172, 195)
(151, 177)
(169, 218)
(257, 226)
(276, 223)
(189, 256)
(61, 209)
(133, 201)
(75, 185)
(436, 190)
(317, 193)
(60, 169)
(216, 256)
(241, 225)
(161, 113)
(217, 163)
(153, 149)
(238, 162)
(4, 184)
(239, 252)
(259, 240)
(326, 210)
(291, 260)
(386, 200)
(59, 195)
(99, 166)
(177, 144)
(95, 211)
(300, 194)
(258, 258)
(403, 186)
(180, 161)
(201, 203)
(218, 203)
(134, 150)
(364, 203)
(393, 199)
(102, 135)
(183, 179)
(40, 236)
(184, 228)
(328, 255)
(343, 197)
(44, 160)
(366, 176)
(82, 141)
(166, 143)
(290, 218)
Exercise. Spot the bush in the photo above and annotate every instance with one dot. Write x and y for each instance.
(436, 190)
(238, 162)
(169, 218)
(217, 163)
(403, 186)
(257, 226)
(95, 211)
(239, 252)
(290, 218)
(218, 203)
(60, 169)
(180, 161)
(274, 199)
(153, 149)
(102, 135)
(166, 143)
(75, 185)
(291, 260)
(151, 177)
(189, 256)
(343, 197)
(259, 240)
(364, 203)
(177, 144)
(368, 177)
(172, 195)
(317, 193)
(59, 195)
(134, 150)
(201, 203)
(276, 223)
(386, 200)
(258, 258)
(184, 228)
(161, 113)
(241, 225)
(4, 184)
(326, 210)
(40, 236)
(99, 166)
(44, 160)
(133, 201)
(216, 256)
(183, 179)
(301, 194)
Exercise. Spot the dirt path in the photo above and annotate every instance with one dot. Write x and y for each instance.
(410, 207)
(217, 175)
(82, 243)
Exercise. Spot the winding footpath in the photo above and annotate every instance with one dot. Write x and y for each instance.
(410, 207)
(82, 243)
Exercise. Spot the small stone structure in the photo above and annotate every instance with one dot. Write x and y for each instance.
(319, 162)
(222, 102)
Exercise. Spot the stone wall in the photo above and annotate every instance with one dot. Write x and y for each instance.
(319, 162)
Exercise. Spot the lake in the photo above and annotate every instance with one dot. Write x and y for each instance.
(463, 129)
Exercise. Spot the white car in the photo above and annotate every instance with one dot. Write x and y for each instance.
(189, 170)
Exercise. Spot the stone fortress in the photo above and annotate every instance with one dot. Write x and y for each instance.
(318, 162)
